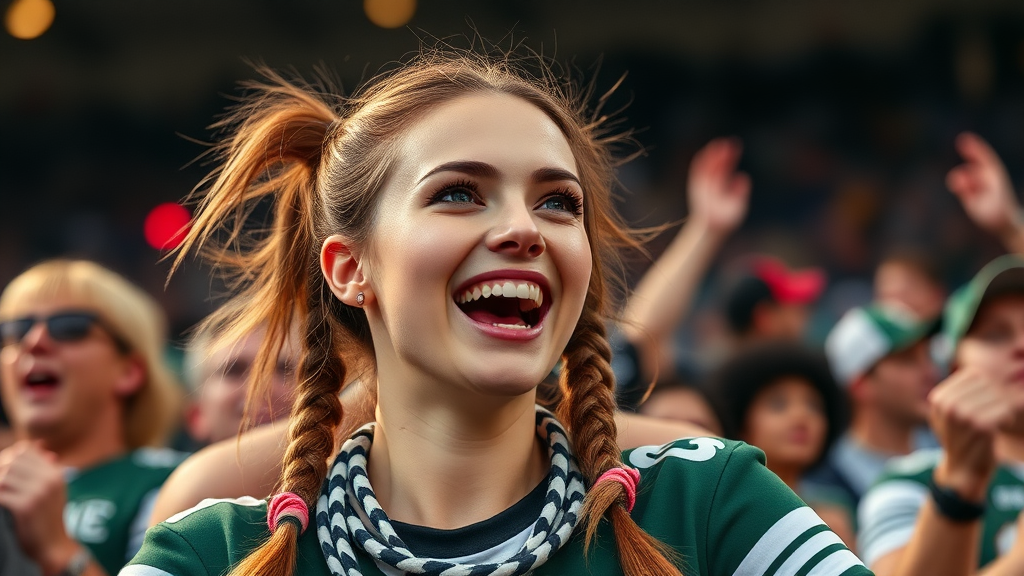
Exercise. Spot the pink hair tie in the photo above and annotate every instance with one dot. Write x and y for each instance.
(285, 506)
(628, 477)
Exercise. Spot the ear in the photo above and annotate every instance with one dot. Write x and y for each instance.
(342, 267)
(130, 377)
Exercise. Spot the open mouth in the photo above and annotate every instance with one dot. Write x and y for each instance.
(509, 304)
(41, 380)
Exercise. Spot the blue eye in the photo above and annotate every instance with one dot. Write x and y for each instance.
(461, 192)
(563, 202)
(455, 196)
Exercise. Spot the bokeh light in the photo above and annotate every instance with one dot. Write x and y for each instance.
(389, 13)
(166, 225)
(28, 19)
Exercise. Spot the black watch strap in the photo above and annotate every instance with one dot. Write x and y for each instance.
(952, 506)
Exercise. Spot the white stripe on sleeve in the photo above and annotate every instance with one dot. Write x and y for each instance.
(207, 502)
(886, 516)
(806, 551)
(835, 564)
(775, 540)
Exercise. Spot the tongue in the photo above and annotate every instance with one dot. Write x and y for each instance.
(489, 317)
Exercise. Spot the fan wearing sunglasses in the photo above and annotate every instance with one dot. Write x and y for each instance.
(83, 381)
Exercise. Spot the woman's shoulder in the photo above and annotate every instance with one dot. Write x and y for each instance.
(690, 456)
(205, 539)
(715, 502)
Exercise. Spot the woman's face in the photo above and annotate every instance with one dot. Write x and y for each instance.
(54, 389)
(484, 198)
(787, 420)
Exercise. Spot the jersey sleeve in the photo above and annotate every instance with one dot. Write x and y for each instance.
(757, 526)
(888, 512)
(205, 539)
(164, 552)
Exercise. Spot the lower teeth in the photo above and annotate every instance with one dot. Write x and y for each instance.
(515, 326)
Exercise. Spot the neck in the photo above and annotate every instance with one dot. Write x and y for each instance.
(880, 433)
(446, 467)
(100, 440)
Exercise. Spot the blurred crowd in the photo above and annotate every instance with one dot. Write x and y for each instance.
(903, 430)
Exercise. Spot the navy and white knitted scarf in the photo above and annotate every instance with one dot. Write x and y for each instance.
(339, 522)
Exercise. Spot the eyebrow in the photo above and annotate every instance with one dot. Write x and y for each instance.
(485, 170)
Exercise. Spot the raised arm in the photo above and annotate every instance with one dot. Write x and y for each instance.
(985, 191)
(968, 409)
(718, 197)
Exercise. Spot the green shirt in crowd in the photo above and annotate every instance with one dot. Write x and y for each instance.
(109, 504)
(713, 501)
(888, 512)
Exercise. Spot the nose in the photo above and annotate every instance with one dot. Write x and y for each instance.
(515, 233)
(37, 339)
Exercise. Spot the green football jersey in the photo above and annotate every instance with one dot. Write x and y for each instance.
(108, 505)
(713, 501)
(889, 510)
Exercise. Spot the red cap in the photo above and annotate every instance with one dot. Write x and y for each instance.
(789, 286)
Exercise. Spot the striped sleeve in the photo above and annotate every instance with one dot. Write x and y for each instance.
(887, 515)
(758, 527)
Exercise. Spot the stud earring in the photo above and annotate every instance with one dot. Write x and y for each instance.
(360, 299)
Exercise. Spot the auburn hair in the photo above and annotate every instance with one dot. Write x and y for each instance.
(321, 160)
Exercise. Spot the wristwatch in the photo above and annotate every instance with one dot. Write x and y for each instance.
(78, 563)
(952, 506)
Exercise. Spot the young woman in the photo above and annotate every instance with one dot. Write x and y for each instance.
(445, 233)
(782, 398)
(89, 396)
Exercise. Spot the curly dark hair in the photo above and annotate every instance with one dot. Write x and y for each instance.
(734, 385)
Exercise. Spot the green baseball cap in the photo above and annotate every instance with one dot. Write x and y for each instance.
(1004, 275)
(867, 334)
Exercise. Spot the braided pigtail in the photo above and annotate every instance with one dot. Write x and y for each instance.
(316, 414)
(588, 410)
(271, 154)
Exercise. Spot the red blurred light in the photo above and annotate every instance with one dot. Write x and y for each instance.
(166, 225)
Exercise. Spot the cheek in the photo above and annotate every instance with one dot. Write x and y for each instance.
(410, 260)
(571, 252)
(761, 425)
(8, 359)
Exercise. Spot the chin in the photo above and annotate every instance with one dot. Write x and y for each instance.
(505, 383)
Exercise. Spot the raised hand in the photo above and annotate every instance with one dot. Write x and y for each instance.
(984, 189)
(718, 194)
(968, 409)
(33, 489)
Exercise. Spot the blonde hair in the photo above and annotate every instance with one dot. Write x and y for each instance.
(323, 159)
(135, 318)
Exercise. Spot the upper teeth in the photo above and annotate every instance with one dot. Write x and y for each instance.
(530, 293)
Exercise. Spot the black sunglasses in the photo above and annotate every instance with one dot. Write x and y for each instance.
(69, 326)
